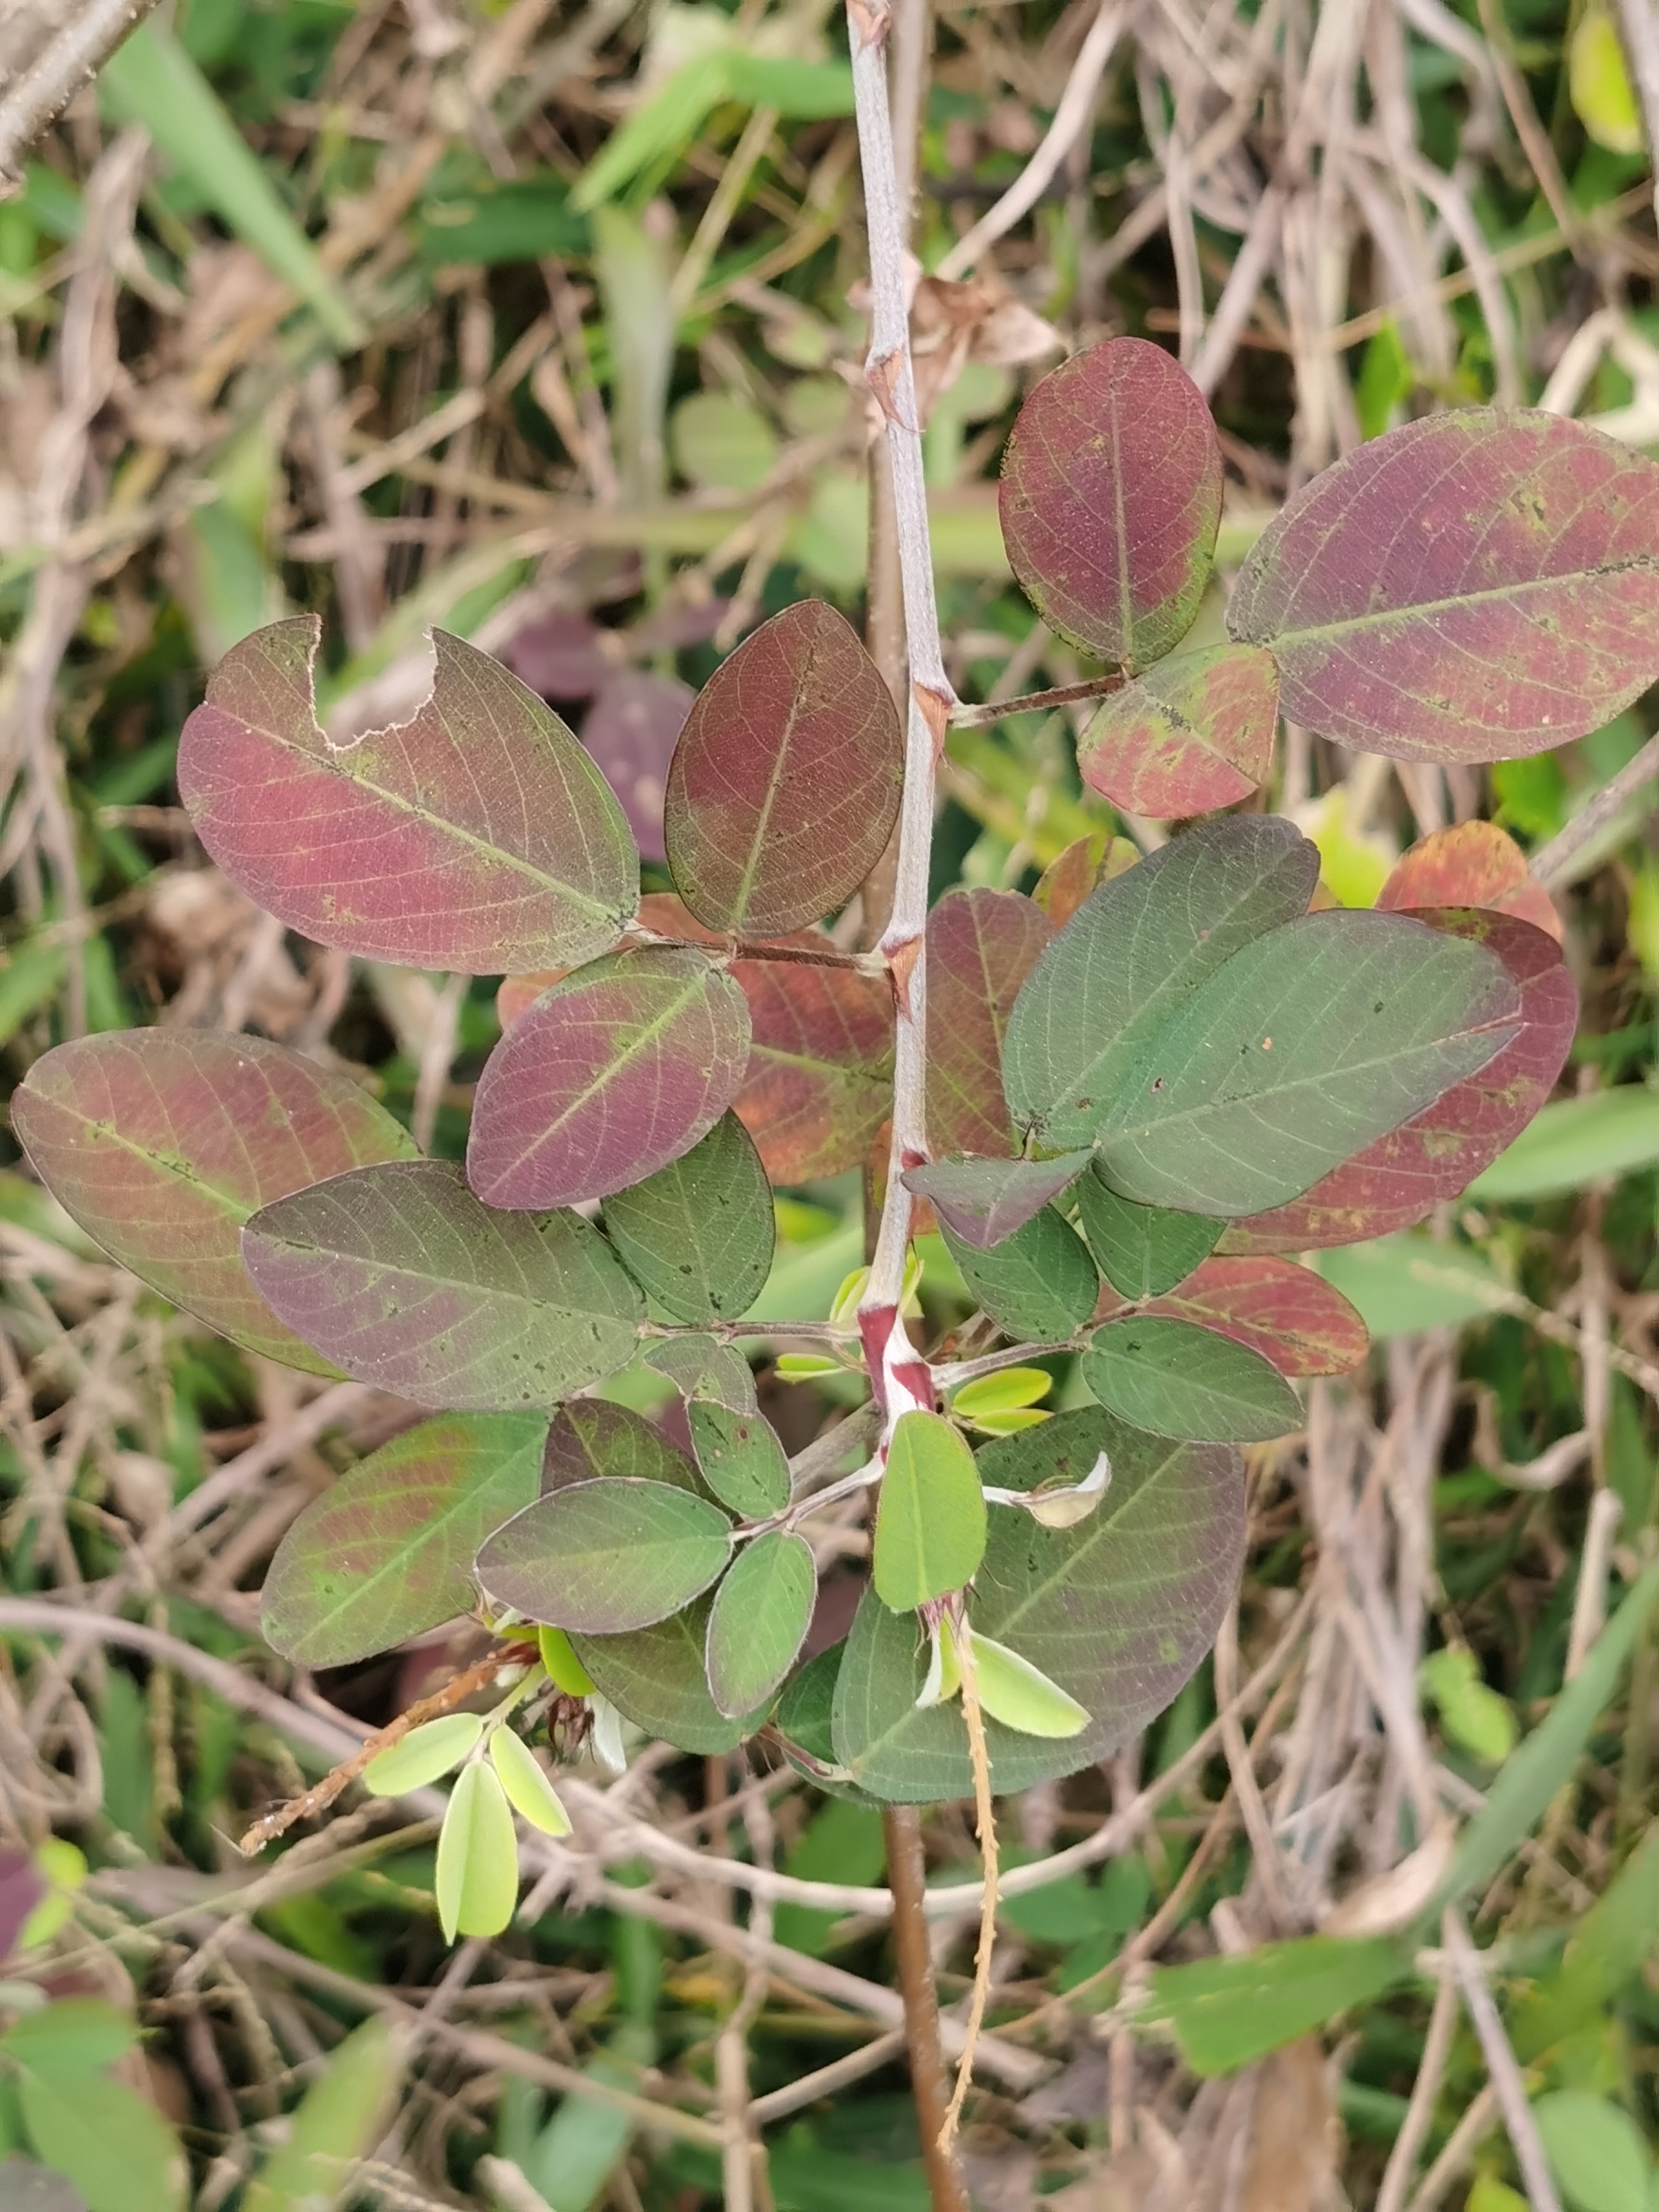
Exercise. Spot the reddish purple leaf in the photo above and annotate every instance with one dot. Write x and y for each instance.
(560, 657)
(1403, 1176)
(403, 1280)
(1472, 586)
(1195, 733)
(985, 1201)
(1475, 864)
(590, 1437)
(820, 1076)
(477, 837)
(1082, 868)
(785, 783)
(1111, 498)
(981, 947)
(631, 730)
(162, 1142)
(612, 1073)
(1288, 1314)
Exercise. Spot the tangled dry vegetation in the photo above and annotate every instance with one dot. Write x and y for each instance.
(598, 429)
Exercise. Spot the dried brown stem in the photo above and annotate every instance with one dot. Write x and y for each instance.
(1063, 695)
(907, 1878)
(985, 1824)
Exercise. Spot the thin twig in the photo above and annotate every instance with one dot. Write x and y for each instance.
(57, 72)
(1507, 2086)
(985, 1825)
(908, 1874)
(1553, 866)
(1063, 695)
(1419, 2112)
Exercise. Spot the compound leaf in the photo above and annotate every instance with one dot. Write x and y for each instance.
(1176, 1379)
(759, 1621)
(981, 947)
(1110, 499)
(1117, 1610)
(985, 1201)
(1194, 732)
(612, 1073)
(425, 1755)
(1310, 1042)
(1141, 1249)
(606, 1556)
(162, 1142)
(1133, 955)
(406, 1282)
(931, 1522)
(784, 786)
(386, 1551)
(524, 1779)
(1400, 1177)
(1040, 1282)
(1473, 586)
(478, 838)
(697, 1236)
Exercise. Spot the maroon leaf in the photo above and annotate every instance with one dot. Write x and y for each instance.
(405, 1281)
(560, 657)
(630, 729)
(985, 1201)
(612, 1073)
(1111, 498)
(477, 837)
(1401, 1177)
(1475, 864)
(1195, 733)
(590, 1437)
(1288, 1314)
(1082, 868)
(1472, 586)
(162, 1142)
(785, 783)
(820, 1078)
(981, 947)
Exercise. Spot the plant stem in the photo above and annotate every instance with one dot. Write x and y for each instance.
(1063, 695)
(1553, 866)
(74, 45)
(901, 1825)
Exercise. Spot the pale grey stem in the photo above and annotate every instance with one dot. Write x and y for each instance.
(58, 70)
(1640, 26)
(891, 378)
(1553, 866)
(1502, 2066)
(1071, 117)
(1419, 2114)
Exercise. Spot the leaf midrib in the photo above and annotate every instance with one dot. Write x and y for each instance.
(1278, 638)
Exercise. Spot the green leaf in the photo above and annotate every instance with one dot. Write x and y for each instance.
(1608, 1947)
(340, 2118)
(1402, 1284)
(606, 1556)
(1132, 955)
(112, 2144)
(477, 1879)
(810, 90)
(1117, 1610)
(761, 1613)
(656, 1678)
(1312, 1042)
(409, 1283)
(425, 1755)
(1529, 1780)
(528, 1789)
(698, 1367)
(565, 1669)
(1142, 1250)
(70, 2037)
(931, 1522)
(1596, 2150)
(1577, 1141)
(1474, 1716)
(591, 1437)
(386, 1551)
(721, 442)
(697, 1236)
(1175, 1379)
(1013, 1390)
(1491, 2195)
(741, 1459)
(517, 219)
(1598, 84)
(1225, 2012)
(1039, 1282)
(657, 131)
(151, 80)
(1021, 1696)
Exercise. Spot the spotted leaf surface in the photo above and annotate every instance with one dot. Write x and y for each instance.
(606, 1556)
(1131, 958)
(739, 1457)
(386, 1551)
(612, 1073)
(758, 1620)
(1194, 732)
(784, 786)
(1473, 864)
(1473, 586)
(1110, 499)
(1117, 1610)
(162, 1142)
(1400, 1177)
(1308, 1045)
(1289, 1315)
(1177, 1379)
(697, 1236)
(980, 948)
(478, 838)
(403, 1279)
